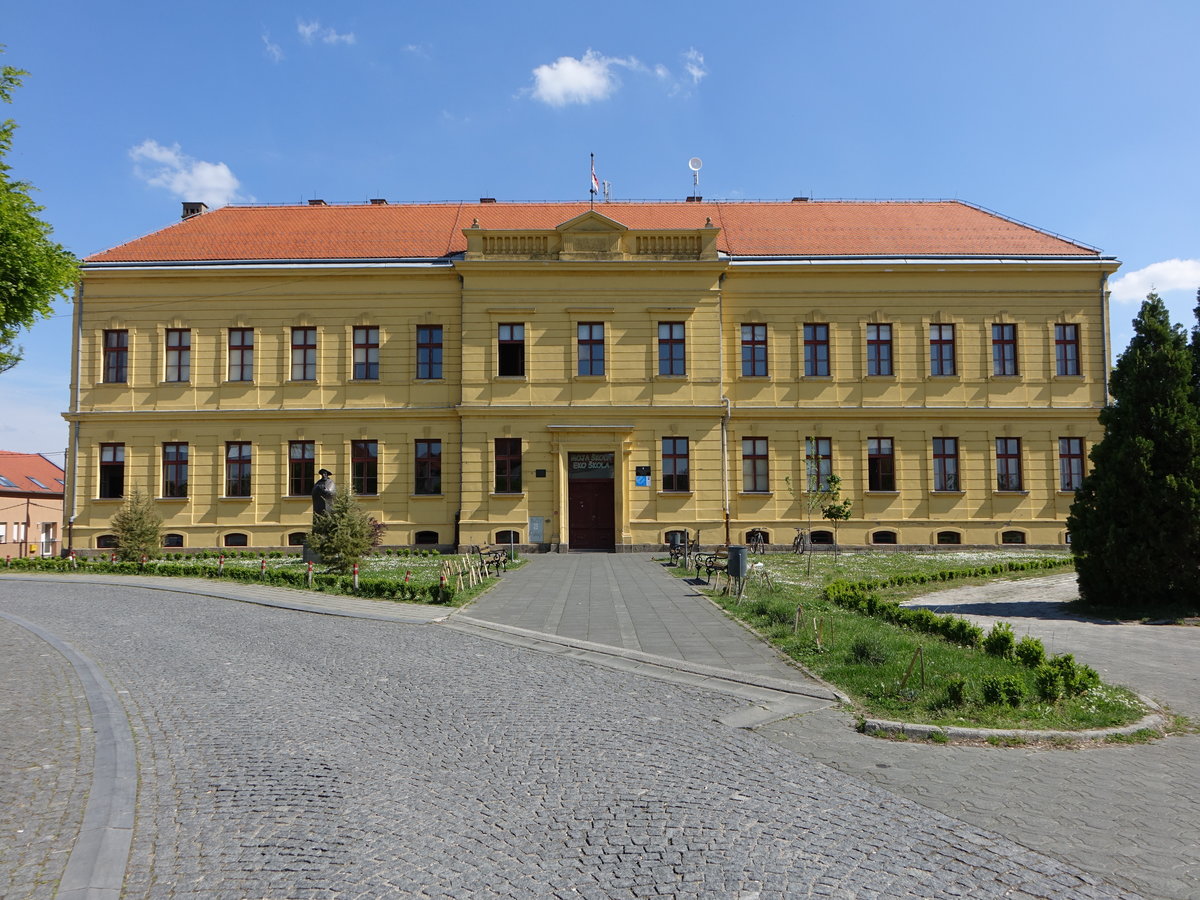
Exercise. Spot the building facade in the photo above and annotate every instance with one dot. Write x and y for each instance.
(31, 504)
(575, 377)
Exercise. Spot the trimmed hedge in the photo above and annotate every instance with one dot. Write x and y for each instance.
(379, 587)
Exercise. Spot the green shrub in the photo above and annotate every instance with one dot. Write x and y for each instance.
(956, 692)
(868, 651)
(1049, 683)
(1030, 651)
(1000, 641)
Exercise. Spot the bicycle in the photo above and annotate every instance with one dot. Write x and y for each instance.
(756, 539)
(800, 543)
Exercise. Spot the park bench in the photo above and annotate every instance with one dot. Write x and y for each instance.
(717, 561)
(684, 550)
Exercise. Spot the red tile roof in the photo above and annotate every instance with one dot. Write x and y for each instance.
(432, 231)
(18, 469)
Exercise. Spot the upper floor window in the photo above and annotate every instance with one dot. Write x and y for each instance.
(508, 465)
(302, 457)
(1066, 349)
(671, 349)
(1004, 349)
(941, 350)
(816, 349)
(881, 464)
(304, 354)
(429, 351)
(510, 349)
(754, 349)
(237, 468)
(1070, 463)
(364, 467)
(241, 354)
(427, 473)
(179, 354)
(945, 464)
(818, 455)
(366, 353)
(879, 349)
(591, 348)
(175, 470)
(116, 356)
(675, 464)
(1008, 464)
(112, 470)
(755, 471)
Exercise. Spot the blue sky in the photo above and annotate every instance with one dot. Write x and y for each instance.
(1079, 118)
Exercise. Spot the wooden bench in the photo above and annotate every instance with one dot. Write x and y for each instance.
(496, 559)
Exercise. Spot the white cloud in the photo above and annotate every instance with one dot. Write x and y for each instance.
(1168, 275)
(693, 62)
(185, 177)
(315, 31)
(571, 80)
(274, 51)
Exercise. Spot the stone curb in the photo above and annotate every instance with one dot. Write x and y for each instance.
(96, 867)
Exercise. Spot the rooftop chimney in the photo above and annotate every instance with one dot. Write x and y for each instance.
(193, 208)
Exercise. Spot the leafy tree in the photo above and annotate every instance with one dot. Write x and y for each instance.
(33, 269)
(345, 534)
(1135, 522)
(137, 526)
(1196, 351)
(835, 509)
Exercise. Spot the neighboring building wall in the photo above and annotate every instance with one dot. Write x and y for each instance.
(627, 410)
(31, 505)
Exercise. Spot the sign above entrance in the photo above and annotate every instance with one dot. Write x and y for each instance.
(589, 465)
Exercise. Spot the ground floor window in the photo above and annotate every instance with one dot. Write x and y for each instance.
(107, 542)
(236, 540)
(883, 537)
(296, 539)
(425, 537)
(949, 537)
(508, 537)
(172, 540)
(821, 537)
(1012, 537)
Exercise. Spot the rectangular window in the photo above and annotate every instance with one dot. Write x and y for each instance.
(179, 354)
(241, 354)
(304, 354)
(818, 459)
(881, 464)
(1004, 349)
(510, 347)
(1070, 463)
(366, 353)
(879, 349)
(671, 349)
(816, 350)
(116, 356)
(112, 470)
(427, 475)
(302, 473)
(675, 464)
(175, 470)
(1008, 464)
(429, 351)
(508, 465)
(591, 348)
(1066, 349)
(237, 468)
(941, 350)
(755, 472)
(945, 464)
(754, 349)
(3, 532)
(364, 467)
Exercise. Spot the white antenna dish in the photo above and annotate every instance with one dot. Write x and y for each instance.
(695, 163)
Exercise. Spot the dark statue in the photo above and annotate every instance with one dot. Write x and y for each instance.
(322, 494)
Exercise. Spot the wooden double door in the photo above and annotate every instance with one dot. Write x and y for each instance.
(592, 523)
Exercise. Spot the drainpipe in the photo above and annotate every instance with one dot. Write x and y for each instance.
(73, 451)
(725, 467)
(1104, 330)
(462, 311)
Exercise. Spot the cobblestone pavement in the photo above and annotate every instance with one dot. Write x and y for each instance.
(290, 755)
(1130, 814)
(45, 763)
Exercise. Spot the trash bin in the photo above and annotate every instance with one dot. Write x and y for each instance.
(737, 561)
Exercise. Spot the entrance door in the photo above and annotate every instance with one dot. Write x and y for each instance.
(592, 519)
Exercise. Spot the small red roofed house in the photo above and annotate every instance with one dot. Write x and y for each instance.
(31, 504)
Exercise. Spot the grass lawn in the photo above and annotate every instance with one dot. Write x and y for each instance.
(892, 672)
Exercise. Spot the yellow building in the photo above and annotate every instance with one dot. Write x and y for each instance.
(568, 376)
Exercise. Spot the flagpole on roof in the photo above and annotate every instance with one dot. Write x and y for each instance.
(594, 185)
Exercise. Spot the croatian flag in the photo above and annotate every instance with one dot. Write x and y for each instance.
(595, 183)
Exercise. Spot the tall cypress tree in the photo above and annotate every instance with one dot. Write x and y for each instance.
(1135, 522)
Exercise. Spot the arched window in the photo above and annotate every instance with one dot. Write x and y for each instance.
(1012, 537)
(237, 540)
(425, 537)
(675, 536)
(107, 542)
(766, 535)
(172, 540)
(508, 537)
(821, 537)
(296, 539)
(949, 537)
(883, 537)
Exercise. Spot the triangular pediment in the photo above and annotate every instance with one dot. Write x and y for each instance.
(591, 221)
